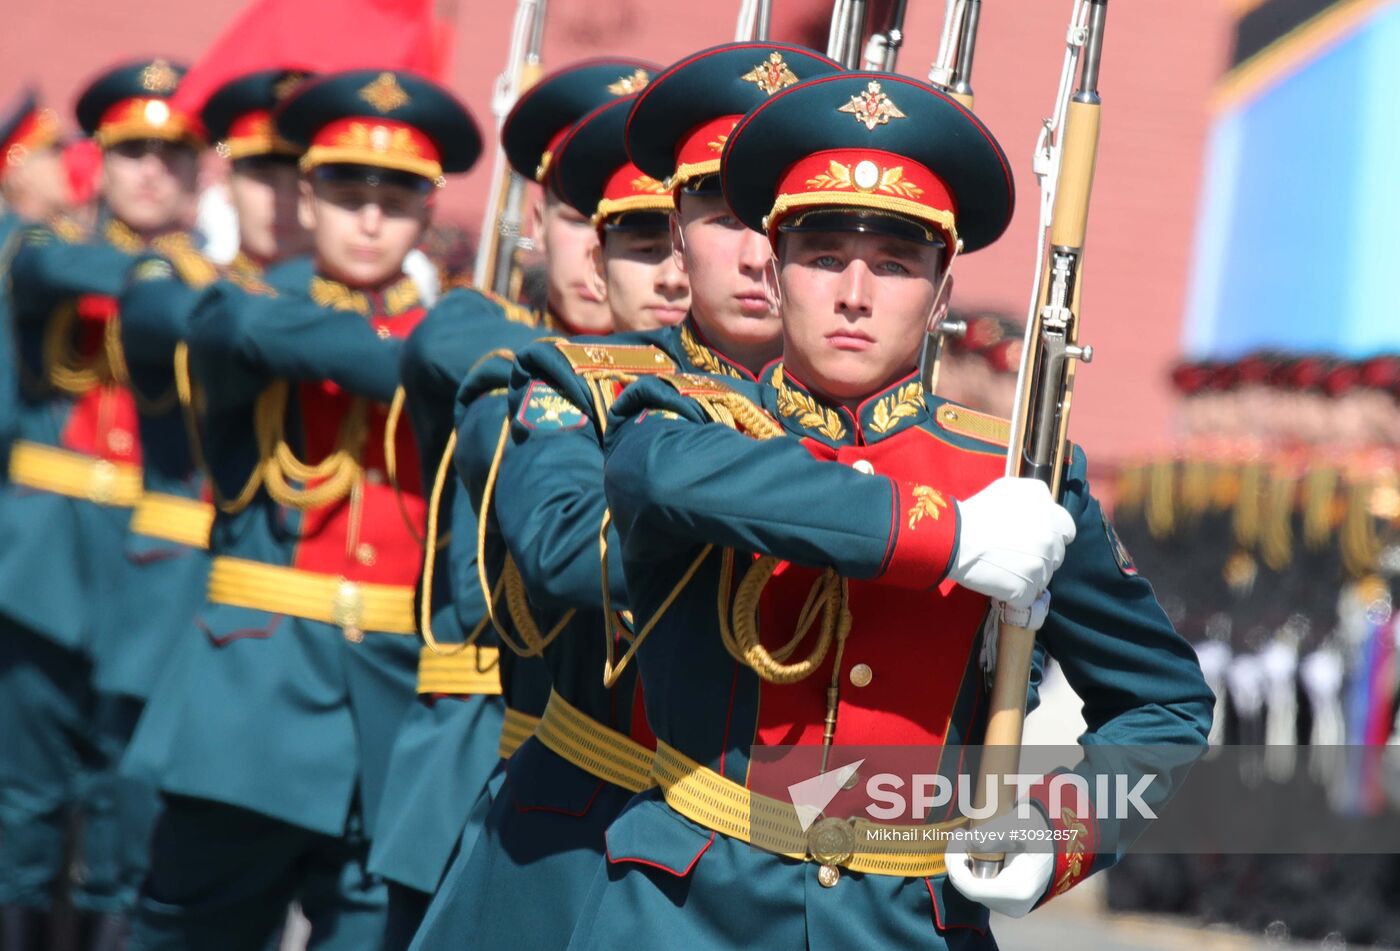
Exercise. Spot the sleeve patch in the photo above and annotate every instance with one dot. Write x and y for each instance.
(1120, 551)
(546, 408)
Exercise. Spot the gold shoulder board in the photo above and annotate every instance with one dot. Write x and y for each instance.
(515, 313)
(194, 268)
(619, 359)
(68, 229)
(726, 405)
(697, 385)
(962, 421)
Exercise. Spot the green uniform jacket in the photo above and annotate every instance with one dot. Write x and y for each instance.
(64, 297)
(281, 714)
(869, 493)
(446, 748)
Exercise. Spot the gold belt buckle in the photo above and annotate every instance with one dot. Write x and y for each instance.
(348, 609)
(831, 843)
(104, 482)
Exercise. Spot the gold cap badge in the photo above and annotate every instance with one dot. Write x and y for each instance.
(630, 84)
(872, 107)
(385, 93)
(159, 77)
(284, 86)
(772, 74)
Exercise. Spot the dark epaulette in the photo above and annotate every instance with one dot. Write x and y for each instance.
(193, 267)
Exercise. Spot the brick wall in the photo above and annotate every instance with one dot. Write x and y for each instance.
(1160, 63)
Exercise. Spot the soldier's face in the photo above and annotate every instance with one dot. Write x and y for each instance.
(150, 184)
(856, 308)
(363, 230)
(35, 188)
(569, 244)
(264, 191)
(645, 287)
(725, 263)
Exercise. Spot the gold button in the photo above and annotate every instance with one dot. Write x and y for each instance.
(120, 441)
(828, 876)
(348, 610)
(375, 476)
(365, 554)
(861, 675)
(104, 482)
(864, 465)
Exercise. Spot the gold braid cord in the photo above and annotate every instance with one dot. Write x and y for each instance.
(517, 602)
(425, 603)
(189, 409)
(828, 597)
(391, 463)
(335, 476)
(66, 371)
(739, 630)
(121, 374)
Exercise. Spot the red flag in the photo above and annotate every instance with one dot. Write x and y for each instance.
(320, 35)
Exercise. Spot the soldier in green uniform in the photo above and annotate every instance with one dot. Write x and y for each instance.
(166, 550)
(837, 498)
(74, 476)
(277, 758)
(452, 741)
(590, 752)
(32, 191)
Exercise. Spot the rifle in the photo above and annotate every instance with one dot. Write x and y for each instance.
(497, 257)
(754, 19)
(882, 52)
(847, 29)
(952, 68)
(951, 72)
(1064, 164)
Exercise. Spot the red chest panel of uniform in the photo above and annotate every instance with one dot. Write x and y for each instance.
(908, 651)
(374, 544)
(103, 422)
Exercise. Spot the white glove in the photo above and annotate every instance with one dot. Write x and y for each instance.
(1024, 876)
(1011, 539)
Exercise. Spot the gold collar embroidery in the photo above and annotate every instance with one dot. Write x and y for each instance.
(809, 414)
(702, 357)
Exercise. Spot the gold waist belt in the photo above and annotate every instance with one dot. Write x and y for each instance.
(173, 518)
(74, 474)
(353, 606)
(718, 803)
(517, 728)
(592, 747)
(471, 671)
